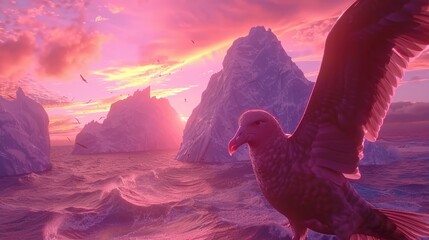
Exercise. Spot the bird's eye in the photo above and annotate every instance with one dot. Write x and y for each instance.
(257, 123)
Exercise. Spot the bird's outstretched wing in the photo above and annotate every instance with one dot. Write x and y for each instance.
(365, 55)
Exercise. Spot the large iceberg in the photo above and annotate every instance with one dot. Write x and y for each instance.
(137, 123)
(257, 73)
(24, 136)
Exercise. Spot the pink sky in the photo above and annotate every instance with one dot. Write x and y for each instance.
(172, 45)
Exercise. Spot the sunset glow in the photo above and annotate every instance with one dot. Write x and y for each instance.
(173, 46)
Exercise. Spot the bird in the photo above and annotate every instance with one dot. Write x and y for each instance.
(81, 145)
(69, 139)
(83, 79)
(185, 100)
(193, 42)
(77, 120)
(305, 175)
(11, 97)
(90, 100)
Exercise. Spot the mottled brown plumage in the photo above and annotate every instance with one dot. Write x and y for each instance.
(304, 175)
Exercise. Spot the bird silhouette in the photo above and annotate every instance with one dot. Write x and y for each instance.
(79, 144)
(77, 120)
(305, 175)
(83, 79)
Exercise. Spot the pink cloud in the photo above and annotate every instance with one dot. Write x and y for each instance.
(415, 79)
(67, 50)
(310, 35)
(16, 55)
(114, 8)
(175, 24)
(421, 62)
(57, 46)
(34, 90)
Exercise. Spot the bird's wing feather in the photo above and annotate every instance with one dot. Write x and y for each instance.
(365, 55)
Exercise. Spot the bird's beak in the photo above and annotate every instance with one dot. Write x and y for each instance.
(238, 140)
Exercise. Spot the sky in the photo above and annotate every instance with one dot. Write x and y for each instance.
(174, 46)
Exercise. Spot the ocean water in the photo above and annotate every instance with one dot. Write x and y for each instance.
(152, 196)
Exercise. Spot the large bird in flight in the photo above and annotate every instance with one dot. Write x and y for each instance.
(305, 175)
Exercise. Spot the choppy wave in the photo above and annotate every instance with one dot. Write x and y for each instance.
(152, 196)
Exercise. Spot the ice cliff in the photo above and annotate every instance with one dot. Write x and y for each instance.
(137, 123)
(24, 136)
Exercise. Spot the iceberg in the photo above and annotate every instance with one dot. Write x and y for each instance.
(24, 136)
(257, 73)
(137, 123)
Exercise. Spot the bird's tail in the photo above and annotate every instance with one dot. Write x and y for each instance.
(409, 226)
(412, 225)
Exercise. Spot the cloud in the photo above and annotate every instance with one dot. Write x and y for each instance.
(114, 8)
(314, 33)
(34, 36)
(33, 90)
(16, 55)
(100, 19)
(89, 107)
(166, 92)
(406, 121)
(67, 50)
(421, 62)
(135, 76)
(210, 24)
(408, 112)
(62, 128)
(414, 79)
(61, 123)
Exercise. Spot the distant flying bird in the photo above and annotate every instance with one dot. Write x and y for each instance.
(193, 41)
(69, 139)
(305, 175)
(88, 101)
(77, 120)
(81, 145)
(185, 99)
(83, 79)
(11, 96)
(100, 118)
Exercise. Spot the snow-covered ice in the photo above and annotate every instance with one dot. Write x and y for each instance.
(24, 136)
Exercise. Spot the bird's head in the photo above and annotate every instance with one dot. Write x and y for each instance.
(256, 128)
